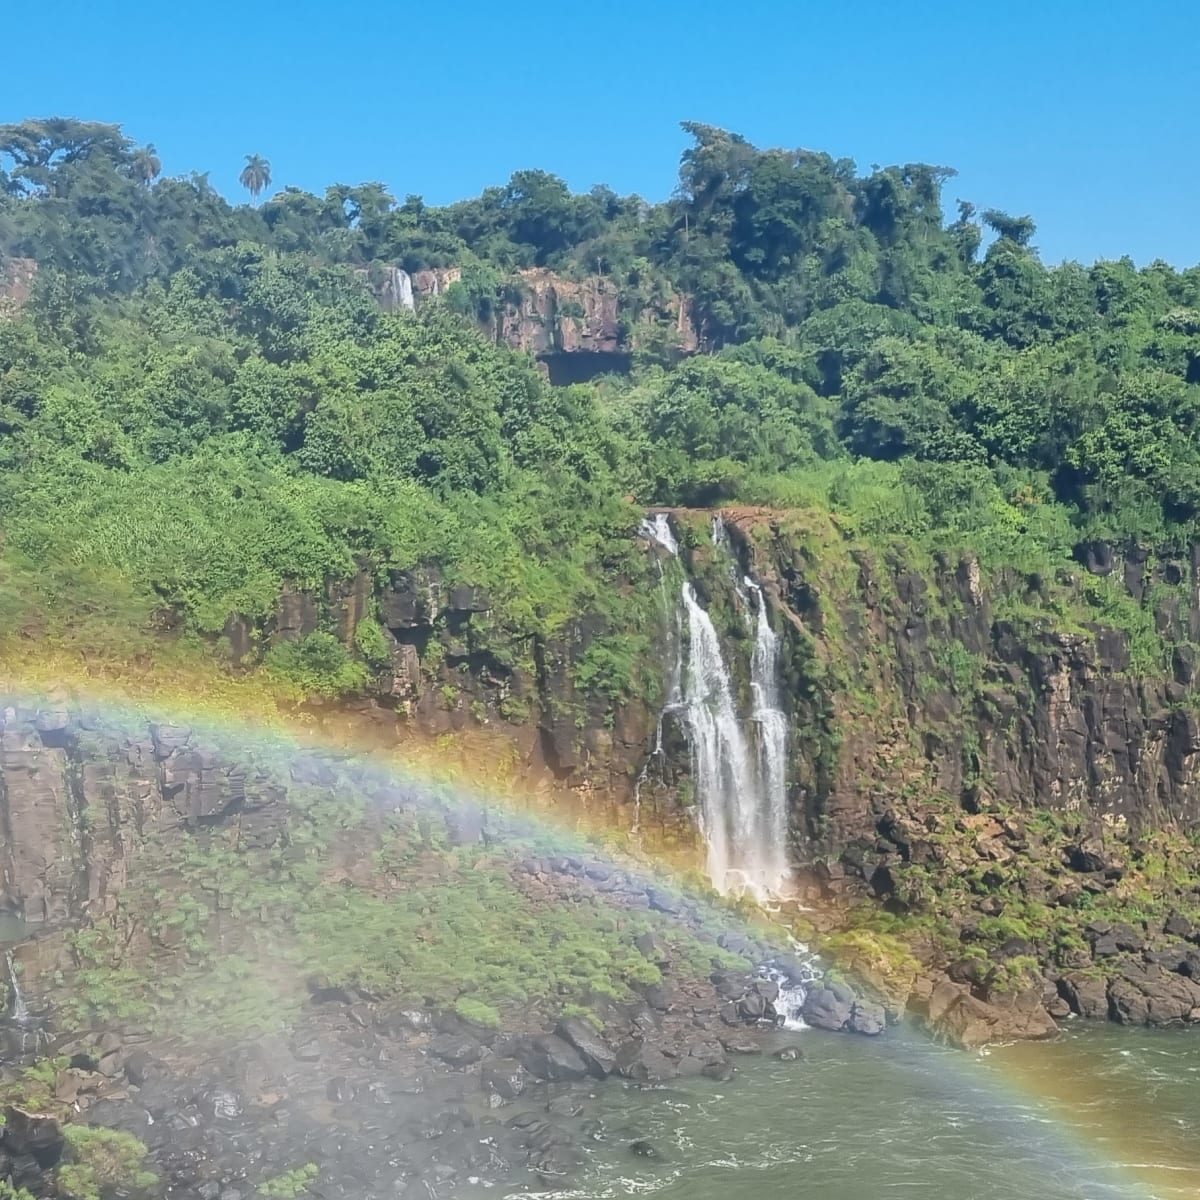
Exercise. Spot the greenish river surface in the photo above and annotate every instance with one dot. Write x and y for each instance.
(1100, 1114)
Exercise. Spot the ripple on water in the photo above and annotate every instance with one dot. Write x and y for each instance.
(899, 1117)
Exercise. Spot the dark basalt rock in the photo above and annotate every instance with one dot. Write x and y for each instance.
(549, 1057)
(596, 1052)
(867, 1018)
(829, 1007)
(457, 1050)
(31, 1136)
(643, 1063)
(505, 1077)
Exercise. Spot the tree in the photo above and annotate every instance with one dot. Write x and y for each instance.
(256, 175)
(145, 164)
(1015, 229)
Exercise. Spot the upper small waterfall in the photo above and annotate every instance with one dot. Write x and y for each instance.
(397, 291)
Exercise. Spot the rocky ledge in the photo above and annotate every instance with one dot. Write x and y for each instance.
(461, 1100)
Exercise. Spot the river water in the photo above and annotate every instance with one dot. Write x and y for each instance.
(1099, 1114)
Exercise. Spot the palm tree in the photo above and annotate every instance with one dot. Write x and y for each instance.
(145, 164)
(256, 175)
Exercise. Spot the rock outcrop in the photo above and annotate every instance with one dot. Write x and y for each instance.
(17, 276)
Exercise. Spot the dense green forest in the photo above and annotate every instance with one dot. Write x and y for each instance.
(201, 400)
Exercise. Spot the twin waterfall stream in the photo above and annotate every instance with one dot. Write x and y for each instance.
(739, 763)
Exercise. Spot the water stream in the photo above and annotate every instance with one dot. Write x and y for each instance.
(18, 1012)
(739, 764)
(1108, 1114)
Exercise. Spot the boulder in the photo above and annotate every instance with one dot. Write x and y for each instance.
(596, 1052)
(37, 1136)
(867, 1018)
(1146, 994)
(1177, 925)
(664, 901)
(829, 1007)
(457, 1050)
(550, 1057)
(962, 1019)
(505, 1077)
(643, 1063)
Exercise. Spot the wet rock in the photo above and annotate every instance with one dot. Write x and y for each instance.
(720, 1071)
(732, 985)
(829, 1007)
(867, 1018)
(142, 1067)
(456, 1050)
(962, 1019)
(1145, 994)
(595, 1050)
(788, 1054)
(658, 996)
(307, 1049)
(742, 1048)
(754, 1008)
(1058, 1008)
(398, 1021)
(340, 1090)
(643, 1063)
(549, 1057)
(506, 1078)
(33, 1136)
(664, 901)
(222, 1104)
(768, 989)
(793, 969)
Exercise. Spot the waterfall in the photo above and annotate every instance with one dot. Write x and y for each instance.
(739, 768)
(19, 1014)
(771, 732)
(404, 290)
(397, 291)
(721, 767)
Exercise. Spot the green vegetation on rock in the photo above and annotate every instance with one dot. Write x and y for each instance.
(202, 403)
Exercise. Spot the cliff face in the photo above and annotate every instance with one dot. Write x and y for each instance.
(550, 316)
(910, 685)
(17, 277)
(965, 747)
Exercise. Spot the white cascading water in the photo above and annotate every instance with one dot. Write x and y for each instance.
(771, 734)
(721, 769)
(739, 770)
(404, 290)
(19, 1014)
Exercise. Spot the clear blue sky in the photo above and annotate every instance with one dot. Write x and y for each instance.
(1081, 112)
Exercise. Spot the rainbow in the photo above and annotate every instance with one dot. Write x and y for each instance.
(1144, 1152)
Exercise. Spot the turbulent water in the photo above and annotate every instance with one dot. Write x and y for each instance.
(1106, 1115)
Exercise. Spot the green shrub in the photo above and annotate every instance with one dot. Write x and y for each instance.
(290, 1184)
(372, 642)
(100, 1162)
(317, 665)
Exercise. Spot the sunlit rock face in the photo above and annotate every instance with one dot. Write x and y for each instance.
(17, 277)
